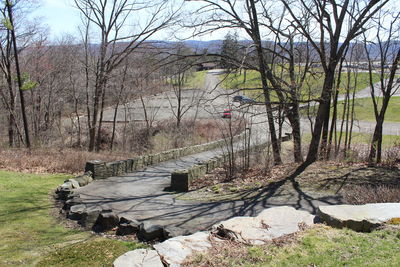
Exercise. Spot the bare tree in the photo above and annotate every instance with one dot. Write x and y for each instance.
(337, 23)
(11, 28)
(388, 60)
(117, 41)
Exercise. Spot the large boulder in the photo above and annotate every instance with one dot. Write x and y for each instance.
(127, 227)
(171, 231)
(176, 250)
(106, 220)
(72, 202)
(75, 212)
(139, 258)
(149, 231)
(269, 224)
(64, 191)
(74, 183)
(359, 217)
(84, 179)
(89, 217)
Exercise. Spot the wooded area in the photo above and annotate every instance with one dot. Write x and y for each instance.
(54, 93)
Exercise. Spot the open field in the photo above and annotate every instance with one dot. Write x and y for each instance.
(29, 233)
(362, 138)
(364, 109)
(312, 84)
(193, 80)
(196, 80)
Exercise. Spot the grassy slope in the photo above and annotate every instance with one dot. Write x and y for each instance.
(28, 232)
(361, 138)
(320, 246)
(364, 110)
(235, 80)
(196, 80)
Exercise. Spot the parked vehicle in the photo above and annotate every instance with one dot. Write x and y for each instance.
(227, 113)
(243, 99)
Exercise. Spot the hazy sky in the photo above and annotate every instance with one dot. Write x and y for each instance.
(62, 17)
(59, 15)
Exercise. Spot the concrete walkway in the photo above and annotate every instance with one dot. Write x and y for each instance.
(142, 196)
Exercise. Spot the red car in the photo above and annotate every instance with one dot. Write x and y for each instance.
(227, 113)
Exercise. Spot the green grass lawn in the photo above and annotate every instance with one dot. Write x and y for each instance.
(29, 234)
(364, 109)
(362, 138)
(196, 80)
(313, 83)
(319, 246)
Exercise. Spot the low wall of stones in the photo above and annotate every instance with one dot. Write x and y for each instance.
(181, 179)
(102, 170)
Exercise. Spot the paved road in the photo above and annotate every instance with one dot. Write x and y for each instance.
(366, 92)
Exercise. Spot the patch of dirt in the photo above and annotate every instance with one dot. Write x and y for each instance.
(331, 177)
(335, 177)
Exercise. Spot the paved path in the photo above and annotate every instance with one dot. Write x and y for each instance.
(141, 195)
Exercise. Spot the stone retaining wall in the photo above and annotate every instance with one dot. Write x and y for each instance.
(102, 170)
(181, 179)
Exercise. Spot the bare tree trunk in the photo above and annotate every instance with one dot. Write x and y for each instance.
(376, 144)
(98, 138)
(19, 79)
(334, 114)
(263, 72)
(323, 113)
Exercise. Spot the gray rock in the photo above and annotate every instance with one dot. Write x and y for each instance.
(67, 185)
(72, 202)
(270, 223)
(65, 190)
(63, 193)
(176, 250)
(89, 217)
(107, 220)
(170, 232)
(149, 231)
(139, 258)
(75, 212)
(84, 179)
(74, 183)
(359, 217)
(128, 228)
(125, 220)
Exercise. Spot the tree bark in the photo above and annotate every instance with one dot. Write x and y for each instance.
(19, 78)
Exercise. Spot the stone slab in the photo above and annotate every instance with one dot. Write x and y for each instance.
(269, 224)
(359, 217)
(176, 250)
(139, 258)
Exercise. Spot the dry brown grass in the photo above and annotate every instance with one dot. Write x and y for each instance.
(221, 251)
(363, 194)
(51, 160)
(72, 161)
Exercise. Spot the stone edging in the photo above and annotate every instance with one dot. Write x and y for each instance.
(102, 170)
(269, 224)
(182, 178)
